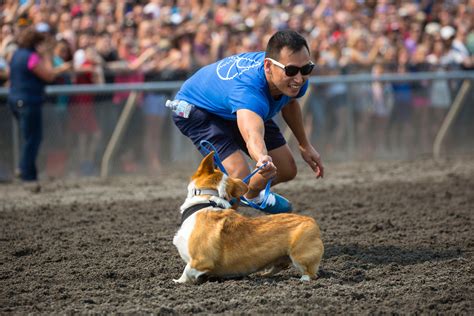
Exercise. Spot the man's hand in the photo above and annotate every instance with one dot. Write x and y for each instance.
(269, 171)
(313, 159)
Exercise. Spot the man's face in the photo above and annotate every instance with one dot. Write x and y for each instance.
(278, 81)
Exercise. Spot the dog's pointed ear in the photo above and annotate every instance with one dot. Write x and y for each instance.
(237, 188)
(206, 166)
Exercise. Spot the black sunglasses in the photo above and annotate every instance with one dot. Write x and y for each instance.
(291, 70)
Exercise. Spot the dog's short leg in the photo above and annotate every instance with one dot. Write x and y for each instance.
(308, 270)
(305, 278)
(189, 275)
(281, 264)
(307, 258)
(184, 277)
(271, 271)
(305, 274)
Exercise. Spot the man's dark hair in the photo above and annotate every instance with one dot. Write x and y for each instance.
(286, 38)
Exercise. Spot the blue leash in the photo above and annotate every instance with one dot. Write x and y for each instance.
(206, 147)
(205, 150)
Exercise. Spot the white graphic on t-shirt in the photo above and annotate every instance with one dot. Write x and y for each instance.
(233, 66)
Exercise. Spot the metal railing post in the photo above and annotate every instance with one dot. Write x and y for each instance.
(117, 134)
(449, 119)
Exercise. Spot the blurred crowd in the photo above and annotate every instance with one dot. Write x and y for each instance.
(123, 41)
(173, 38)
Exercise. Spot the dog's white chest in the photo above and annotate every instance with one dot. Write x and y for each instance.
(181, 239)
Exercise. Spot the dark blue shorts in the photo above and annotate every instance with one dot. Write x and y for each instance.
(223, 134)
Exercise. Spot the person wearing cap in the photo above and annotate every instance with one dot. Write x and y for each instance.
(234, 102)
(31, 69)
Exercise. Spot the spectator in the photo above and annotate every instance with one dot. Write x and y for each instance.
(202, 46)
(56, 132)
(336, 96)
(7, 47)
(315, 110)
(62, 54)
(382, 98)
(361, 56)
(105, 108)
(131, 72)
(82, 117)
(154, 109)
(421, 100)
(31, 68)
(459, 47)
(400, 121)
(439, 93)
(172, 61)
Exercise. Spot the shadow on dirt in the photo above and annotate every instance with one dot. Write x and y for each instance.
(389, 254)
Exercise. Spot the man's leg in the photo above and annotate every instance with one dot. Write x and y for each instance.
(286, 166)
(237, 167)
(226, 138)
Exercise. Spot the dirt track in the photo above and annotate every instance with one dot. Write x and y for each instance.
(398, 239)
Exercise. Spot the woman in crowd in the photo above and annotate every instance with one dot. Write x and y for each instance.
(31, 69)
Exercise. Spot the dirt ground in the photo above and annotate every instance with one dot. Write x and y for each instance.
(398, 238)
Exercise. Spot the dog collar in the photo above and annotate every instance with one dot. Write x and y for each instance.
(193, 209)
(210, 192)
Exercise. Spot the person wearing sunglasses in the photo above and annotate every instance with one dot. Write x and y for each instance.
(232, 105)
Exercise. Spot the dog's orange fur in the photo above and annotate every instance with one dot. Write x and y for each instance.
(225, 243)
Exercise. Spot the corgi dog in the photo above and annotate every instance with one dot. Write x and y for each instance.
(216, 241)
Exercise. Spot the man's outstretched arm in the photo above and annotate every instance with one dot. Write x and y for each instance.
(252, 129)
(293, 117)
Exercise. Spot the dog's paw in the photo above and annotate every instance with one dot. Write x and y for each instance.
(180, 280)
(305, 278)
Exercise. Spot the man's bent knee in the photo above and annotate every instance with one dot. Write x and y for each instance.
(287, 174)
(236, 165)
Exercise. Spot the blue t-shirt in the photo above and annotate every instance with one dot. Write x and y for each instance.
(234, 83)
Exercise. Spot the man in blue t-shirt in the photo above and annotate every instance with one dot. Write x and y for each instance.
(234, 102)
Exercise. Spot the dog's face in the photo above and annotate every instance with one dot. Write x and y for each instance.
(207, 177)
